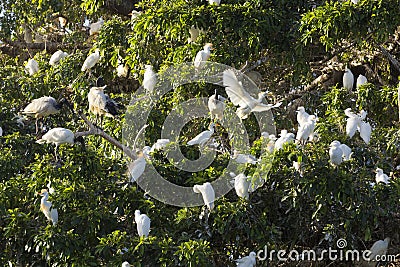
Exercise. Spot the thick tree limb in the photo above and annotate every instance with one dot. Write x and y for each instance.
(49, 46)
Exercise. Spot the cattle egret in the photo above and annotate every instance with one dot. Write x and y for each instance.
(244, 158)
(302, 116)
(242, 185)
(122, 69)
(361, 79)
(354, 1)
(45, 206)
(202, 56)
(91, 60)
(271, 141)
(346, 152)
(137, 167)
(202, 137)
(348, 79)
(125, 264)
(160, 144)
(242, 98)
(135, 14)
(381, 176)
(216, 106)
(298, 166)
(62, 21)
(32, 66)
(96, 26)
(142, 223)
(194, 33)
(100, 103)
(365, 130)
(379, 248)
(42, 107)
(306, 129)
(335, 153)
(56, 57)
(58, 136)
(248, 261)
(207, 191)
(149, 79)
(284, 138)
(214, 2)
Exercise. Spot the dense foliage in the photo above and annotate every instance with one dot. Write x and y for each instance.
(290, 43)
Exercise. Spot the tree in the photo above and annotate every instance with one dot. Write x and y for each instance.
(299, 48)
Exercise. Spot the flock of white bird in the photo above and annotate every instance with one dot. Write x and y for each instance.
(101, 104)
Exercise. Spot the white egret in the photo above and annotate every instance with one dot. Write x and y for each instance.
(32, 66)
(101, 104)
(96, 26)
(242, 185)
(354, 1)
(202, 137)
(135, 14)
(271, 141)
(348, 79)
(142, 224)
(125, 264)
(346, 152)
(122, 69)
(306, 129)
(361, 79)
(42, 107)
(207, 191)
(381, 176)
(137, 167)
(379, 248)
(63, 22)
(248, 261)
(149, 79)
(365, 130)
(216, 106)
(160, 144)
(335, 153)
(284, 138)
(214, 2)
(57, 56)
(202, 56)
(194, 33)
(244, 158)
(45, 206)
(91, 60)
(242, 98)
(302, 116)
(58, 136)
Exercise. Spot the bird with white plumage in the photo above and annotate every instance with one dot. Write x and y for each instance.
(248, 261)
(242, 185)
(214, 2)
(91, 60)
(381, 177)
(355, 122)
(302, 116)
(306, 129)
(202, 56)
(100, 104)
(202, 137)
(244, 158)
(142, 224)
(207, 192)
(32, 66)
(125, 264)
(56, 57)
(46, 207)
(216, 106)
(160, 144)
(240, 97)
(335, 153)
(96, 26)
(194, 33)
(378, 249)
(149, 79)
(122, 69)
(58, 136)
(346, 152)
(137, 167)
(284, 138)
(348, 79)
(361, 80)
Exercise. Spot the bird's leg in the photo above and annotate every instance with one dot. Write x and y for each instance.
(37, 127)
(55, 152)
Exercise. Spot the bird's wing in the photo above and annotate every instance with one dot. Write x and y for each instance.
(243, 261)
(365, 131)
(262, 107)
(208, 195)
(351, 126)
(54, 216)
(349, 113)
(235, 91)
(111, 106)
(201, 137)
(144, 222)
(136, 168)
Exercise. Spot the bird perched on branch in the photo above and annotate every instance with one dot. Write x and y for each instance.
(137, 167)
(149, 79)
(216, 106)
(356, 122)
(207, 191)
(202, 137)
(96, 26)
(56, 57)
(242, 185)
(248, 261)
(335, 153)
(202, 56)
(43, 107)
(306, 129)
(381, 176)
(284, 138)
(32, 66)
(361, 79)
(101, 104)
(142, 224)
(242, 98)
(91, 60)
(59, 136)
(348, 79)
(302, 116)
(46, 207)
